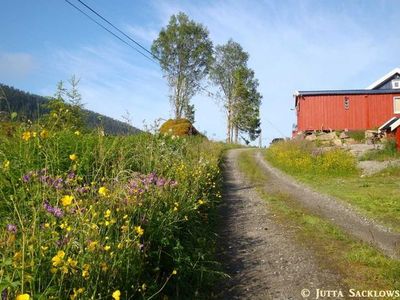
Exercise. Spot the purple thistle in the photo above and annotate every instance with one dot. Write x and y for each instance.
(12, 228)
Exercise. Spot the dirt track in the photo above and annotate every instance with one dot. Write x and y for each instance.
(259, 254)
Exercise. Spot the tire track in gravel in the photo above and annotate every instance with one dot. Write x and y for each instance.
(261, 255)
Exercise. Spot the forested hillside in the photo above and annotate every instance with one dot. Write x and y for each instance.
(31, 106)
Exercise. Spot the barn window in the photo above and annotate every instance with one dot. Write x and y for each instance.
(396, 83)
(346, 102)
(396, 105)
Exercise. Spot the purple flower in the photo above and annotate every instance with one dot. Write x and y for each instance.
(4, 294)
(12, 228)
(160, 182)
(173, 183)
(54, 210)
(71, 175)
(58, 183)
(82, 189)
(27, 177)
(62, 241)
(152, 178)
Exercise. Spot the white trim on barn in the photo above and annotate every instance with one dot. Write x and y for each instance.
(380, 128)
(383, 79)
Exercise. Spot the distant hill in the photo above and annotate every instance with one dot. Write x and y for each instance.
(31, 106)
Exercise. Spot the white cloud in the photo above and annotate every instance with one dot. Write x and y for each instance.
(144, 34)
(16, 65)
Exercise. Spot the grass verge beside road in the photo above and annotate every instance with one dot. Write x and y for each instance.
(361, 266)
(376, 196)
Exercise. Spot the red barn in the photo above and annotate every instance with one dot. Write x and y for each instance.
(349, 109)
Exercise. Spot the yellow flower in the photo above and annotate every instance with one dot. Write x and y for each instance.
(73, 157)
(200, 202)
(85, 274)
(6, 165)
(92, 246)
(107, 214)
(26, 136)
(44, 134)
(107, 248)
(174, 272)
(116, 295)
(104, 267)
(76, 293)
(57, 259)
(85, 271)
(77, 132)
(72, 263)
(23, 297)
(103, 191)
(67, 200)
(139, 230)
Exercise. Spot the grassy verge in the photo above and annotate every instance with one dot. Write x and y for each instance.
(376, 196)
(361, 266)
(88, 216)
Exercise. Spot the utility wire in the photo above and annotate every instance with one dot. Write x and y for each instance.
(108, 30)
(119, 30)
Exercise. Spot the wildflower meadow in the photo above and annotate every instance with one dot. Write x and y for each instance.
(89, 216)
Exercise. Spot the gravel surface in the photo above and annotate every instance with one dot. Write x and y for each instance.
(262, 256)
(335, 210)
(370, 167)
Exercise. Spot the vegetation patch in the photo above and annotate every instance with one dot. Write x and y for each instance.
(298, 157)
(361, 266)
(88, 216)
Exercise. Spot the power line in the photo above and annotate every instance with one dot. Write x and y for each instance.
(119, 30)
(108, 30)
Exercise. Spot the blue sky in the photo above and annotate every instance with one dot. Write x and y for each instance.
(293, 45)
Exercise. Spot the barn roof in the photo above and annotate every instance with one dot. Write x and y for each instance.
(346, 92)
(383, 79)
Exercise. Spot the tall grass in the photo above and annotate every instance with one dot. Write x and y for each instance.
(87, 216)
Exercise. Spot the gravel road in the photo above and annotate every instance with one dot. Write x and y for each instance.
(262, 256)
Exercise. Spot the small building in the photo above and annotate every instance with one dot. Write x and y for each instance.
(361, 109)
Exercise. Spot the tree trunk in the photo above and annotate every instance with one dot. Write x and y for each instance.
(236, 134)
(228, 127)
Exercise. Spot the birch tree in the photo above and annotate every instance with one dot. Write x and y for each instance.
(185, 53)
(228, 59)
